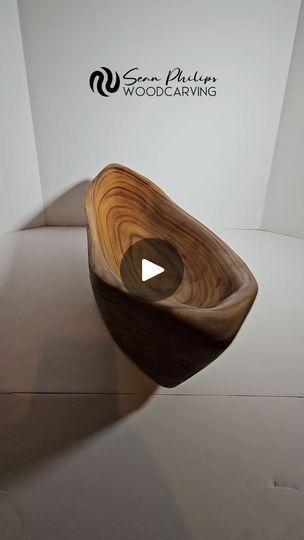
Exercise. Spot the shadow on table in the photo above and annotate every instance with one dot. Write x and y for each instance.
(62, 376)
(66, 210)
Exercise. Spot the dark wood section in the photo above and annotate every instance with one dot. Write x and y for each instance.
(174, 338)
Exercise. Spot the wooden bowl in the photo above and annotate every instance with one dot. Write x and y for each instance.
(173, 338)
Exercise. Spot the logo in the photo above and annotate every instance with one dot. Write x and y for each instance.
(106, 83)
(176, 82)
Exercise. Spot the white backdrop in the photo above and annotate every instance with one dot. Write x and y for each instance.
(212, 155)
(20, 190)
(284, 202)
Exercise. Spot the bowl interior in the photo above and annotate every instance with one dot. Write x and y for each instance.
(128, 208)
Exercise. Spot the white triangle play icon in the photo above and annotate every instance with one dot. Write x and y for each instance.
(149, 269)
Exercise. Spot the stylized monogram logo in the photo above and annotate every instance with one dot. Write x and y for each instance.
(106, 83)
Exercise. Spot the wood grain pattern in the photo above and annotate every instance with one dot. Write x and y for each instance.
(174, 338)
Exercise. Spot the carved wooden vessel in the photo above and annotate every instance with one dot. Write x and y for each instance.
(174, 338)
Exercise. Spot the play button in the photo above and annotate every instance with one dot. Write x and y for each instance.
(151, 269)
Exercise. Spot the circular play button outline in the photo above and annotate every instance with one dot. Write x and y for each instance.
(152, 269)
